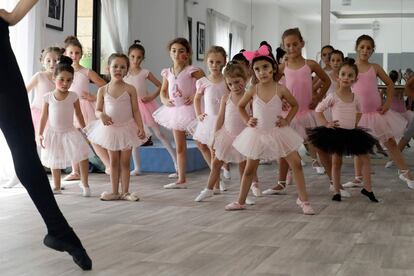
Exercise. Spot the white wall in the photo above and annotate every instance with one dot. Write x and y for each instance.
(55, 38)
(394, 36)
(156, 36)
(271, 20)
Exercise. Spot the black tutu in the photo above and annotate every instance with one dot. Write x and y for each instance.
(342, 141)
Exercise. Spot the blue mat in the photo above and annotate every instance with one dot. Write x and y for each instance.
(157, 159)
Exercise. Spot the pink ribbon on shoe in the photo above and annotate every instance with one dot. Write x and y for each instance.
(262, 51)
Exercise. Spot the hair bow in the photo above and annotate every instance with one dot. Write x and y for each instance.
(262, 51)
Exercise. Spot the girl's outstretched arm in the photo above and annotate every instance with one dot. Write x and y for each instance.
(325, 81)
(19, 11)
(156, 93)
(221, 114)
(135, 111)
(99, 113)
(244, 101)
(285, 94)
(78, 113)
(390, 87)
(32, 83)
(43, 121)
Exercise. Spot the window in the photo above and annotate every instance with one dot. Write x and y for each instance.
(87, 30)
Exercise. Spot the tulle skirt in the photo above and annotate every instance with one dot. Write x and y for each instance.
(114, 137)
(383, 127)
(342, 141)
(267, 144)
(36, 116)
(64, 147)
(175, 117)
(224, 149)
(88, 112)
(146, 110)
(408, 115)
(203, 131)
(302, 121)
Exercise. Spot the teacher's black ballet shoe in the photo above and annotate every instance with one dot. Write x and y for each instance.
(79, 255)
(370, 195)
(336, 197)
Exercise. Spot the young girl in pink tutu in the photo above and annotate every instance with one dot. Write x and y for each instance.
(386, 125)
(119, 128)
(341, 135)
(398, 105)
(62, 142)
(268, 135)
(298, 75)
(41, 83)
(212, 88)
(177, 94)
(80, 85)
(229, 125)
(138, 76)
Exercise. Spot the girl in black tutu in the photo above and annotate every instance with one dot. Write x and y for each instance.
(341, 136)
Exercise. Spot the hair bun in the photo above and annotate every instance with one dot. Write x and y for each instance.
(242, 50)
(70, 39)
(349, 60)
(137, 41)
(64, 60)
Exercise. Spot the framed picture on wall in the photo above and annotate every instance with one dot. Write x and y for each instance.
(190, 30)
(55, 14)
(201, 40)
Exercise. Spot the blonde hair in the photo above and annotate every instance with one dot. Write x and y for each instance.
(216, 50)
(235, 70)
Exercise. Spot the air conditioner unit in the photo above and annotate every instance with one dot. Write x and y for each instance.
(346, 2)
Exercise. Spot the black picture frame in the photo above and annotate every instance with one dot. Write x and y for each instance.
(201, 40)
(55, 14)
(190, 30)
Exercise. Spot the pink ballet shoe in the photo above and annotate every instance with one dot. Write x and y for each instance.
(234, 206)
(306, 207)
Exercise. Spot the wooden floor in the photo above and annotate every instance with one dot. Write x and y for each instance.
(167, 233)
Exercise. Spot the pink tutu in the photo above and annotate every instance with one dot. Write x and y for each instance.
(114, 137)
(384, 127)
(408, 115)
(175, 117)
(36, 116)
(203, 131)
(223, 146)
(146, 110)
(270, 144)
(88, 112)
(302, 121)
(63, 147)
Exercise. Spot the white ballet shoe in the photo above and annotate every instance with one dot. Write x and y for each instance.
(389, 164)
(281, 184)
(355, 183)
(402, 175)
(11, 183)
(135, 172)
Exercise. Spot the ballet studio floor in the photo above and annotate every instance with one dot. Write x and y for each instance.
(167, 233)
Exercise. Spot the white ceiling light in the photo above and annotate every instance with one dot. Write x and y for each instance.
(346, 2)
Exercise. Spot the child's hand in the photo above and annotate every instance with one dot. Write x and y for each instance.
(147, 99)
(141, 134)
(285, 105)
(106, 120)
(41, 139)
(383, 109)
(188, 100)
(332, 124)
(201, 117)
(252, 122)
(167, 102)
(314, 102)
(282, 122)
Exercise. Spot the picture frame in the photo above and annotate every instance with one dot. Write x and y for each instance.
(201, 40)
(55, 14)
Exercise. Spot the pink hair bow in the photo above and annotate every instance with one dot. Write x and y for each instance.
(262, 51)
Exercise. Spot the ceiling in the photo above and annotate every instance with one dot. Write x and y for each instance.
(309, 10)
